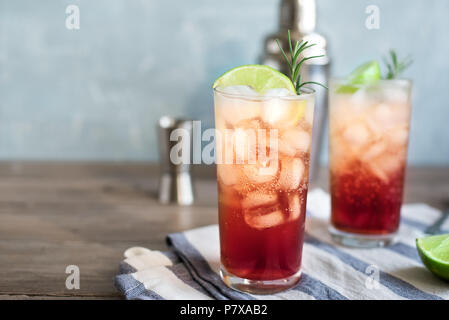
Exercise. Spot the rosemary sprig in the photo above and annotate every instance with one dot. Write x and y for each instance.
(396, 67)
(295, 65)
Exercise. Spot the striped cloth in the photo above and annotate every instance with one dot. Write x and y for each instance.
(189, 270)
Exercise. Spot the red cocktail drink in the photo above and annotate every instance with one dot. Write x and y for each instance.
(263, 157)
(369, 132)
(364, 203)
(251, 249)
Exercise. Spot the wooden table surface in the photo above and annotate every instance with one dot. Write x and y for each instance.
(57, 214)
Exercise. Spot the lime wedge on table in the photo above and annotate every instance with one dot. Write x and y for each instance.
(260, 78)
(365, 74)
(434, 253)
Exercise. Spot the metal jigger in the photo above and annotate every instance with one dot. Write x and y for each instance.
(175, 184)
(299, 16)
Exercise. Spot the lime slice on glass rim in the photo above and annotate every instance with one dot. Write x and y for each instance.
(434, 253)
(263, 79)
(365, 74)
(260, 78)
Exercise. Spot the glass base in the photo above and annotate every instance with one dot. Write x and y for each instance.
(360, 240)
(259, 287)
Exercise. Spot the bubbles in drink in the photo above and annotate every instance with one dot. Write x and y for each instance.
(356, 134)
(292, 173)
(257, 199)
(268, 192)
(235, 110)
(245, 145)
(369, 133)
(294, 141)
(399, 136)
(261, 205)
(261, 172)
(374, 151)
(261, 210)
(363, 132)
(294, 205)
(229, 174)
(261, 219)
(278, 112)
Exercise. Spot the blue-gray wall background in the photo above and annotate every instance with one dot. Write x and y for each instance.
(96, 93)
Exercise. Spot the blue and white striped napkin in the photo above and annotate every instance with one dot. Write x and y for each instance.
(190, 269)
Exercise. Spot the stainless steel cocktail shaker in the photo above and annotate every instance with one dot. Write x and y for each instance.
(299, 16)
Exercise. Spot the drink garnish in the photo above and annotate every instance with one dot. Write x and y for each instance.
(261, 78)
(370, 72)
(295, 63)
(434, 253)
(396, 67)
(365, 74)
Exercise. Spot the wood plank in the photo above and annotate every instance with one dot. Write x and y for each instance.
(53, 215)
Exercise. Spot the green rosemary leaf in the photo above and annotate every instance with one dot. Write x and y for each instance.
(283, 53)
(302, 49)
(290, 44)
(394, 66)
(306, 59)
(296, 73)
(313, 82)
(394, 57)
(294, 63)
(298, 85)
(297, 47)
